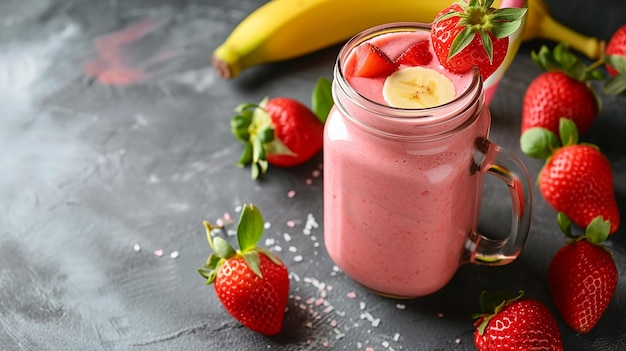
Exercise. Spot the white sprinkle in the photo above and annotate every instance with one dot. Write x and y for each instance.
(457, 341)
(174, 254)
(219, 222)
(291, 194)
(396, 336)
(287, 237)
(158, 253)
(269, 241)
(137, 248)
(267, 225)
(293, 249)
(400, 306)
(298, 258)
(277, 248)
(238, 209)
(362, 305)
(311, 223)
(153, 179)
(386, 344)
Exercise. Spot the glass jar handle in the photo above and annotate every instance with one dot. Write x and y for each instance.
(492, 159)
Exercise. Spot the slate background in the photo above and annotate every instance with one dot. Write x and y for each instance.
(88, 170)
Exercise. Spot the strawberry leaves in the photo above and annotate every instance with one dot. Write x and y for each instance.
(478, 17)
(616, 85)
(541, 143)
(561, 59)
(322, 99)
(249, 231)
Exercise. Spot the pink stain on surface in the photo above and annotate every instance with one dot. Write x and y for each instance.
(109, 67)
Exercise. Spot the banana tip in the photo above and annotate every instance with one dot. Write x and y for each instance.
(222, 68)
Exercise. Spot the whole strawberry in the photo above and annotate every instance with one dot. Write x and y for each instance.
(281, 131)
(576, 179)
(562, 91)
(473, 33)
(615, 57)
(515, 323)
(582, 276)
(251, 283)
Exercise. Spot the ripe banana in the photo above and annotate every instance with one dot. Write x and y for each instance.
(417, 87)
(285, 29)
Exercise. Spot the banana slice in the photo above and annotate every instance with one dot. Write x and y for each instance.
(417, 87)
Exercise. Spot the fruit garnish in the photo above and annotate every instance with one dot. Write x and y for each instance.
(473, 33)
(417, 87)
(417, 54)
(372, 62)
(251, 282)
(582, 275)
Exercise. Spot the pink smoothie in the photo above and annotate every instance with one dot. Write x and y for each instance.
(398, 212)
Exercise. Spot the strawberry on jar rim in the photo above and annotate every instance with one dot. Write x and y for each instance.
(472, 33)
(513, 322)
(279, 131)
(251, 282)
(582, 275)
(563, 90)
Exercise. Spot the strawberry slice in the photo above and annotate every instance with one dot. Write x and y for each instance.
(417, 54)
(372, 62)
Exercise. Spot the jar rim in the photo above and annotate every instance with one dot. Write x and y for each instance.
(428, 117)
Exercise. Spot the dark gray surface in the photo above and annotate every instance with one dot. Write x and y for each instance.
(88, 170)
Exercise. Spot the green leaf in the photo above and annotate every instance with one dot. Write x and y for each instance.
(213, 261)
(253, 261)
(270, 255)
(250, 228)
(568, 132)
(222, 248)
(510, 14)
(210, 275)
(615, 85)
(539, 142)
(487, 45)
(618, 62)
(246, 154)
(505, 29)
(565, 224)
(462, 40)
(598, 230)
(322, 99)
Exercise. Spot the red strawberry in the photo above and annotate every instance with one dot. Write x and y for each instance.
(562, 91)
(615, 57)
(515, 323)
(280, 131)
(417, 54)
(472, 33)
(372, 62)
(616, 47)
(583, 276)
(577, 178)
(251, 283)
